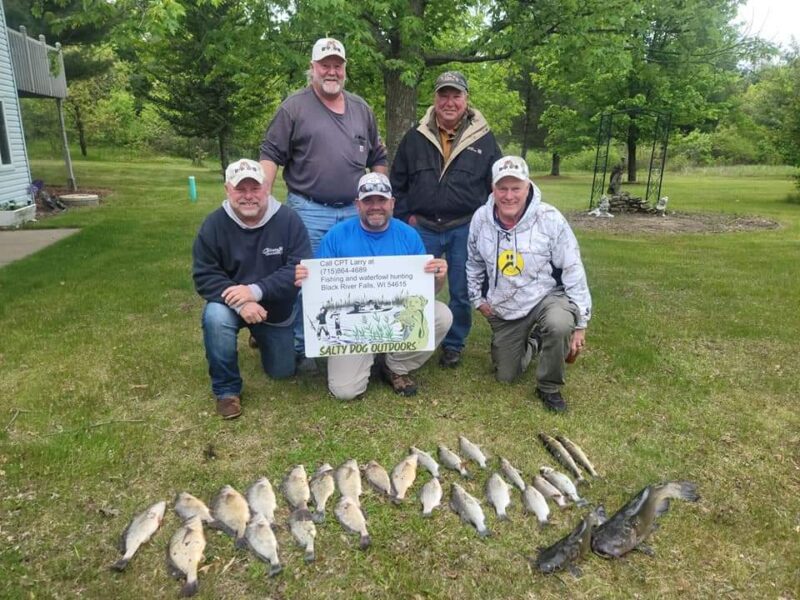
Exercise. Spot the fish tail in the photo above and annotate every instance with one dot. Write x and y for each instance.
(484, 533)
(274, 569)
(309, 556)
(686, 490)
(544, 524)
(581, 502)
(318, 517)
(189, 588)
(240, 543)
(365, 541)
(120, 564)
(503, 517)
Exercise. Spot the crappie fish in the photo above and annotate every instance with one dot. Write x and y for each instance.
(472, 451)
(185, 553)
(561, 454)
(352, 519)
(534, 502)
(549, 491)
(512, 474)
(348, 480)
(577, 454)
(295, 487)
(426, 461)
(262, 542)
(452, 461)
(378, 478)
(634, 522)
(302, 527)
(430, 496)
(572, 548)
(498, 493)
(187, 506)
(139, 530)
(403, 476)
(564, 485)
(322, 488)
(231, 514)
(261, 499)
(469, 509)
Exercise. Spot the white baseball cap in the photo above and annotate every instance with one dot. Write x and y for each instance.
(374, 184)
(327, 47)
(243, 169)
(510, 166)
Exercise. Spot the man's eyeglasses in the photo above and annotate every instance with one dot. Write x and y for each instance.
(368, 188)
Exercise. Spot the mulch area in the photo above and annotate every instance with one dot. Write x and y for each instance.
(672, 222)
(43, 211)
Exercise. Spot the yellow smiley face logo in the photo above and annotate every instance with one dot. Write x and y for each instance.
(510, 263)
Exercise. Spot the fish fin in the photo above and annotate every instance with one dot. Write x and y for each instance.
(275, 569)
(581, 502)
(120, 565)
(309, 556)
(503, 517)
(427, 515)
(121, 543)
(172, 568)
(662, 507)
(240, 543)
(485, 533)
(543, 524)
(575, 571)
(364, 542)
(318, 517)
(644, 549)
(189, 588)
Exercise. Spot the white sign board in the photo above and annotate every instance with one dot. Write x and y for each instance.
(369, 305)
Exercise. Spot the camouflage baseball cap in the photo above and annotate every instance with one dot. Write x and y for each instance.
(453, 79)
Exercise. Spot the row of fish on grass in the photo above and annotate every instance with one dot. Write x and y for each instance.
(250, 520)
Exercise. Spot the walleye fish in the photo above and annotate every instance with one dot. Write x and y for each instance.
(231, 514)
(469, 509)
(513, 475)
(498, 493)
(535, 503)
(352, 519)
(572, 548)
(261, 499)
(633, 523)
(187, 506)
(561, 454)
(139, 530)
(263, 543)
(322, 488)
(426, 460)
(403, 476)
(295, 487)
(302, 527)
(378, 478)
(577, 454)
(472, 451)
(564, 485)
(549, 491)
(430, 496)
(348, 480)
(452, 461)
(185, 553)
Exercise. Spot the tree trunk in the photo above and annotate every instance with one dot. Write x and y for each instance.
(526, 123)
(401, 109)
(223, 150)
(81, 129)
(555, 167)
(633, 137)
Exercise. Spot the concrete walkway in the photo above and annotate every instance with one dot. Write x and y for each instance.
(19, 244)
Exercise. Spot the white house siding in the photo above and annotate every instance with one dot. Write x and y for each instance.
(15, 177)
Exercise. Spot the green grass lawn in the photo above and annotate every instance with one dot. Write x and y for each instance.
(691, 373)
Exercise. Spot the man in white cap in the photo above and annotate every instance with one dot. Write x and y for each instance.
(376, 233)
(325, 138)
(537, 299)
(244, 258)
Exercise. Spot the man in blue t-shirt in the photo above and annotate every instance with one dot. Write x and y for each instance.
(375, 233)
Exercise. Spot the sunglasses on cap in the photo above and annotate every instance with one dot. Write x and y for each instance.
(372, 187)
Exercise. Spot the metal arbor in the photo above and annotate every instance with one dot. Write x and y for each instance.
(658, 153)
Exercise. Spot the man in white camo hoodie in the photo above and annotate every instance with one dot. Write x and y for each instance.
(525, 275)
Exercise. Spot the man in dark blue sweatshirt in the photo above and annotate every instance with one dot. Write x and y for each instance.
(244, 260)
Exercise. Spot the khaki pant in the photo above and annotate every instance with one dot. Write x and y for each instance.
(512, 352)
(348, 375)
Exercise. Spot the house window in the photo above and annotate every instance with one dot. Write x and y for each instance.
(5, 149)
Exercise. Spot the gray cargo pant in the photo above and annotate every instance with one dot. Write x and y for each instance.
(348, 376)
(512, 352)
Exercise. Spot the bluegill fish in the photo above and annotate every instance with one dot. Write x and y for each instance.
(261, 499)
(348, 480)
(534, 502)
(403, 476)
(572, 548)
(512, 474)
(498, 494)
(322, 487)
(469, 509)
(426, 461)
(231, 514)
(378, 478)
(352, 519)
(633, 523)
(430, 496)
(472, 451)
(262, 542)
(452, 461)
(185, 553)
(139, 531)
(295, 487)
(187, 506)
(304, 531)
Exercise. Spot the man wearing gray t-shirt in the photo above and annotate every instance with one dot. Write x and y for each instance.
(325, 138)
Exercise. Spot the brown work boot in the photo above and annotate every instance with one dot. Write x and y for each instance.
(401, 384)
(229, 407)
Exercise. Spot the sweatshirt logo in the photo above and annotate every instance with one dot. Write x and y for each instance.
(510, 263)
(272, 251)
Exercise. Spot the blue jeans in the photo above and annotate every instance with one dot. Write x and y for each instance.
(221, 327)
(453, 244)
(318, 220)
